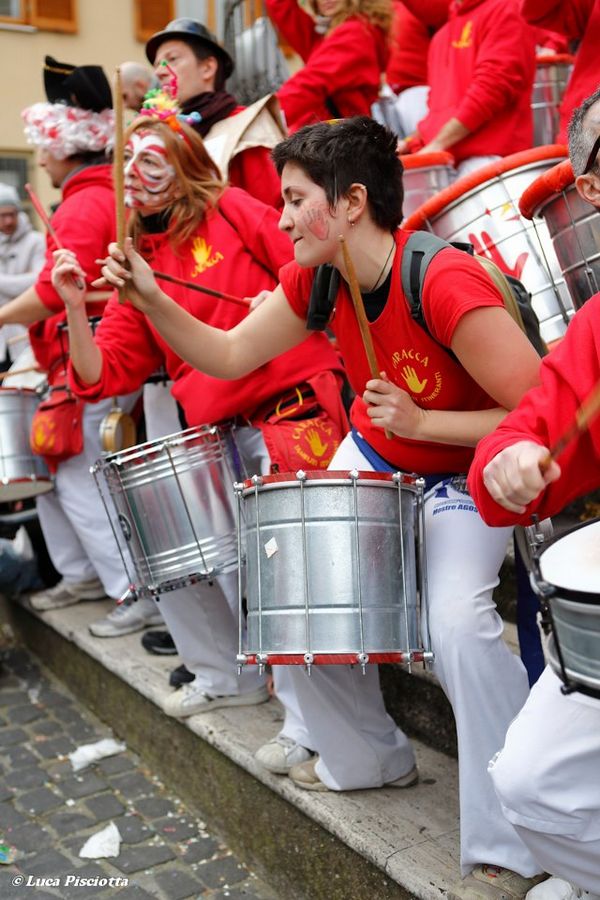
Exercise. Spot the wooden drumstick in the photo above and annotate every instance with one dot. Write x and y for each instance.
(36, 203)
(24, 371)
(588, 411)
(118, 166)
(361, 316)
(203, 290)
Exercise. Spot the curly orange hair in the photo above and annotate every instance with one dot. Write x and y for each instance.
(378, 12)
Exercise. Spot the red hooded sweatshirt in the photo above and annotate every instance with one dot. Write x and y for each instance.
(84, 223)
(578, 19)
(342, 70)
(481, 67)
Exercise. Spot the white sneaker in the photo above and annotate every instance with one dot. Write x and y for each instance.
(67, 594)
(487, 882)
(190, 699)
(559, 889)
(280, 754)
(127, 617)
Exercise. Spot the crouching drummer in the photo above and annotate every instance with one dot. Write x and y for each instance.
(344, 179)
(548, 774)
(189, 225)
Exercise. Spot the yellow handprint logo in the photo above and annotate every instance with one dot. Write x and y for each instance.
(412, 380)
(316, 444)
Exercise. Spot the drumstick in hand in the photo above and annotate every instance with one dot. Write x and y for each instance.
(361, 316)
(203, 290)
(588, 410)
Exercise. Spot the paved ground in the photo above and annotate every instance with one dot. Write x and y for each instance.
(47, 811)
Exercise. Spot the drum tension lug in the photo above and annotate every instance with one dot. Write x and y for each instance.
(308, 663)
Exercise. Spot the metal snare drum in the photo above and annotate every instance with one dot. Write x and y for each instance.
(335, 568)
(552, 74)
(482, 209)
(573, 225)
(425, 175)
(175, 505)
(22, 472)
(567, 578)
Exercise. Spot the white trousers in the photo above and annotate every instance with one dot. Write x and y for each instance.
(473, 163)
(411, 107)
(77, 531)
(548, 781)
(358, 743)
(160, 410)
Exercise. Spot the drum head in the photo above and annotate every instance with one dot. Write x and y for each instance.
(572, 562)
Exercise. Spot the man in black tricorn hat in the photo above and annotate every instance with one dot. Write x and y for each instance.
(238, 139)
(72, 133)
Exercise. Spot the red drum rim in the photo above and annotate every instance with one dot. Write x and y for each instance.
(322, 475)
(404, 657)
(423, 160)
(444, 198)
(17, 390)
(554, 181)
(553, 59)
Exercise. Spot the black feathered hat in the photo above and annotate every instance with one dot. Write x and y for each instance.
(86, 87)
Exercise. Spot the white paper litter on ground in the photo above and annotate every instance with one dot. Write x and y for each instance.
(103, 844)
(87, 754)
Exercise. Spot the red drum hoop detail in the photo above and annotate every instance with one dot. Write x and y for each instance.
(436, 204)
(554, 59)
(421, 160)
(554, 181)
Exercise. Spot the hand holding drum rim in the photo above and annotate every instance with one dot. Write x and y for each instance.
(516, 476)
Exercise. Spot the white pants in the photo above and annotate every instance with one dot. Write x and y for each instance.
(548, 781)
(358, 743)
(160, 410)
(473, 163)
(78, 534)
(203, 618)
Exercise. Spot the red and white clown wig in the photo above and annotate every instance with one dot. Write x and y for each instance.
(67, 130)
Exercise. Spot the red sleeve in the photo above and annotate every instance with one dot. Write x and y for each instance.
(297, 283)
(294, 24)
(543, 415)
(253, 170)
(129, 353)
(569, 17)
(455, 283)
(502, 68)
(257, 225)
(432, 13)
(71, 223)
(339, 63)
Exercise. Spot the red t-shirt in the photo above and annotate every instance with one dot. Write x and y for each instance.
(454, 284)
(236, 249)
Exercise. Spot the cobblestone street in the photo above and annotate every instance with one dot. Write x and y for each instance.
(47, 812)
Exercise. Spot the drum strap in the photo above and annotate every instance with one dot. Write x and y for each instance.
(382, 465)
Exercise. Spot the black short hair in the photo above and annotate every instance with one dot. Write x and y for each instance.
(337, 154)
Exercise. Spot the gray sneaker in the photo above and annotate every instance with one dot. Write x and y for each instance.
(127, 617)
(67, 594)
(280, 754)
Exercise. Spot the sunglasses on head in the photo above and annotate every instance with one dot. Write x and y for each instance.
(592, 157)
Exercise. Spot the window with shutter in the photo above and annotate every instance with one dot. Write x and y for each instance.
(54, 15)
(152, 16)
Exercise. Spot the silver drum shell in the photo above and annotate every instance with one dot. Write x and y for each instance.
(332, 567)
(176, 507)
(22, 472)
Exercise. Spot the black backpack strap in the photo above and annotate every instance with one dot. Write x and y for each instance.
(418, 252)
(325, 287)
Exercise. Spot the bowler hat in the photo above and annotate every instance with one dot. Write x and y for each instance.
(192, 32)
(84, 86)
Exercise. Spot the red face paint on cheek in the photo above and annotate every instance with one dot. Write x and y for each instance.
(316, 219)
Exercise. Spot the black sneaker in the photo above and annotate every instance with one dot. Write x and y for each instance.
(159, 642)
(180, 676)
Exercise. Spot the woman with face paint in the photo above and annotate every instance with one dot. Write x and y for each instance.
(186, 223)
(344, 179)
(344, 46)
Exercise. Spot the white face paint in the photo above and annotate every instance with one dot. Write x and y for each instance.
(149, 177)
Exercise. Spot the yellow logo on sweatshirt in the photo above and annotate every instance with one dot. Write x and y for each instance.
(204, 256)
(466, 37)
